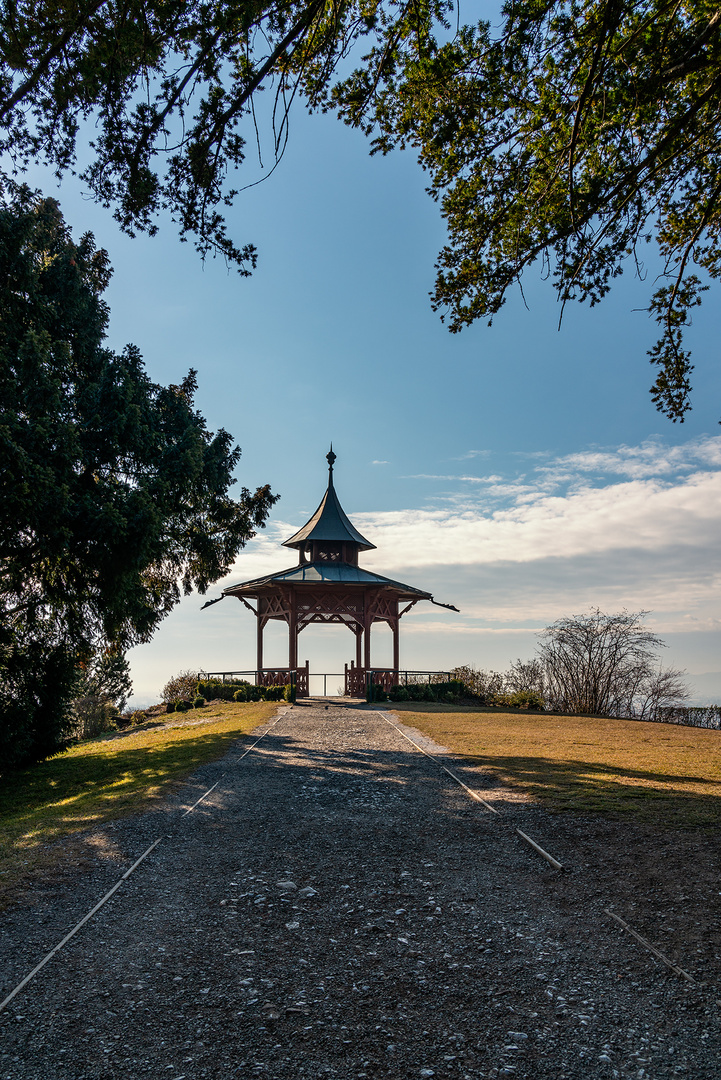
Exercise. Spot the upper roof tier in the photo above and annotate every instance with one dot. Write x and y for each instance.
(329, 523)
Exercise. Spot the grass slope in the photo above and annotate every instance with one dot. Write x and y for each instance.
(108, 777)
(656, 773)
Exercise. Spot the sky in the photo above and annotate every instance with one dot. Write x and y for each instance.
(519, 472)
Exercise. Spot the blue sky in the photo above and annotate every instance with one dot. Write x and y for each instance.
(520, 472)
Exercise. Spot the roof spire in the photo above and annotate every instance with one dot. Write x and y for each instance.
(329, 522)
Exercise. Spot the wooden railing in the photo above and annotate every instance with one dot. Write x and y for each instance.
(265, 677)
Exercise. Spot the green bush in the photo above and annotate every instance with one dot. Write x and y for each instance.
(181, 706)
(199, 702)
(170, 707)
(378, 693)
(243, 691)
(222, 691)
(449, 691)
(526, 699)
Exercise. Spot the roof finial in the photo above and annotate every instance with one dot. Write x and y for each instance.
(330, 458)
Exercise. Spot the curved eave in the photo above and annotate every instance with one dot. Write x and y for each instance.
(314, 574)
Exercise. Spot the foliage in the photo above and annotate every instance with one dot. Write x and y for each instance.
(219, 691)
(521, 699)
(181, 706)
(198, 702)
(440, 691)
(480, 684)
(115, 494)
(37, 679)
(101, 691)
(242, 691)
(183, 685)
(606, 665)
(93, 715)
(567, 136)
(166, 87)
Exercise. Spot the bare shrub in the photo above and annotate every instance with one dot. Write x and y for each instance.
(182, 687)
(663, 690)
(483, 684)
(607, 665)
(526, 677)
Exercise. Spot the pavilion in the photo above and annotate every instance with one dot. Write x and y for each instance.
(328, 586)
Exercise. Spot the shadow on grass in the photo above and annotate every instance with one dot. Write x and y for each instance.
(651, 796)
(96, 785)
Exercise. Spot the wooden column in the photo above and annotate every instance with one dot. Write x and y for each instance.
(259, 649)
(358, 636)
(293, 634)
(396, 642)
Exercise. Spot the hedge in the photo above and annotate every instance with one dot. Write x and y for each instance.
(242, 691)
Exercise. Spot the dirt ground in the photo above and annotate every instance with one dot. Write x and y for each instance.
(338, 907)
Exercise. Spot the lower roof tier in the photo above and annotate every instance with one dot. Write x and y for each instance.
(326, 573)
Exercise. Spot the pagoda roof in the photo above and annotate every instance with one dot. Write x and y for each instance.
(330, 521)
(316, 573)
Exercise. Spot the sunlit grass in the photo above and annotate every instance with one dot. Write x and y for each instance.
(656, 773)
(111, 776)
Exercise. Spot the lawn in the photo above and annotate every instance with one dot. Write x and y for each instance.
(654, 773)
(109, 777)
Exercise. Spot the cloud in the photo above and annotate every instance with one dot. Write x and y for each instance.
(636, 527)
(650, 459)
(454, 477)
(639, 514)
(469, 454)
(380, 463)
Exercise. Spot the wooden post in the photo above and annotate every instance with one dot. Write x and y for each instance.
(293, 638)
(396, 649)
(259, 652)
(358, 658)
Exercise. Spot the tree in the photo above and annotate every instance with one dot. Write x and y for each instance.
(101, 692)
(167, 84)
(606, 665)
(569, 137)
(107, 676)
(115, 494)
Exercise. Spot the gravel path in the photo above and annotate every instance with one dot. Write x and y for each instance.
(339, 908)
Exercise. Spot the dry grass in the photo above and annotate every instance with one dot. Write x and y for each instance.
(109, 777)
(654, 773)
